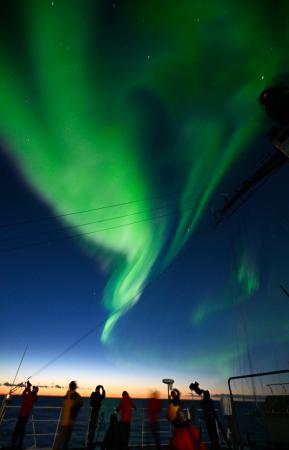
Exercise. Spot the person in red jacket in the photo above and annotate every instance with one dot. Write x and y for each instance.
(154, 411)
(29, 398)
(125, 407)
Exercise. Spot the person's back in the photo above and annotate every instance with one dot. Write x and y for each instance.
(210, 421)
(185, 435)
(126, 406)
(114, 438)
(28, 399)
(96, 398)
(72, 403)
(154, 411)
(154, 408)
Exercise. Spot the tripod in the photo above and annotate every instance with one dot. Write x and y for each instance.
(210, 423)
(210, 419)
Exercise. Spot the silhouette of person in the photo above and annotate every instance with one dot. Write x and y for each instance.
(125, 407)
(95, 402)
(72, 403)
(114, 438)
(28, 399)
(154, 411)
(210, 421)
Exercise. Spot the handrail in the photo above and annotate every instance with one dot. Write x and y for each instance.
(234, 415)
(140, 418)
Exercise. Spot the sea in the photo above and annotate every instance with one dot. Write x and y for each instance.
(44, 422)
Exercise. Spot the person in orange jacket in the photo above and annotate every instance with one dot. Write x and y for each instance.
(72, 403)
(185, 436)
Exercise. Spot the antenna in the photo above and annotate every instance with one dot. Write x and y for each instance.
(170, 383)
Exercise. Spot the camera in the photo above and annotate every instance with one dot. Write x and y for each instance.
(195, 387)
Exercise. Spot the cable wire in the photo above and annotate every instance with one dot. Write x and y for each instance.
(74, 344)
(39, 233)
(114, 205)
(50, 241)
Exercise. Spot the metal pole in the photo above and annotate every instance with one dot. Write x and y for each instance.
(33, 429)
(234, 415)
(57, 427)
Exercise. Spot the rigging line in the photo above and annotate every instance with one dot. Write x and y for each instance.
(114, 205)
(13, 382)
(73, 236)
(88, 333)
(75, 343)
(284, 290)
(157, 274)
(39, 233)
(244, 325)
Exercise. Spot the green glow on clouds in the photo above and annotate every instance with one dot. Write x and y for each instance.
(247, 276)
(72, 117)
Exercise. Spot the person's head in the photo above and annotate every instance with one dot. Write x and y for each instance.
(125, 394)
(206, 395)
(35, 389)
(98, 388)
(155, 394)
(72, 385)
(175, 394)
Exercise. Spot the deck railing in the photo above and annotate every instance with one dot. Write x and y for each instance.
(42, 431)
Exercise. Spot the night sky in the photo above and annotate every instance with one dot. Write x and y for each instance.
(122, 126)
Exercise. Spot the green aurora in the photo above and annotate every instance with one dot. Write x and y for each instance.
(112, 102)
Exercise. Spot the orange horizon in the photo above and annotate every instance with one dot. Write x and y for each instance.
(84, 392)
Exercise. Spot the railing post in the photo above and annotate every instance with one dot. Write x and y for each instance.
(88, 425)
(142, 427)
(57, 427)
(33, 429)
(3, 408)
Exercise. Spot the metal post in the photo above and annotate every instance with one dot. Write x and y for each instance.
(88, 425)
(3, 409)
(33, 429)
(142, 427)
(57, 427)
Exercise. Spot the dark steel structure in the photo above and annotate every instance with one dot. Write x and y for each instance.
(275, 102)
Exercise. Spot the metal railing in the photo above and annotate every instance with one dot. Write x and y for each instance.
(261, 434)
(39, 435)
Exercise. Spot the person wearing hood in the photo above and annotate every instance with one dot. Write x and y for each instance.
(125, 407)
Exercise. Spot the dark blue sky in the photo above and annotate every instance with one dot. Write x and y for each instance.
(153, 107)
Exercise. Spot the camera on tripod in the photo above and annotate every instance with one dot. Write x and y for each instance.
(195, 387)
(210, 417)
